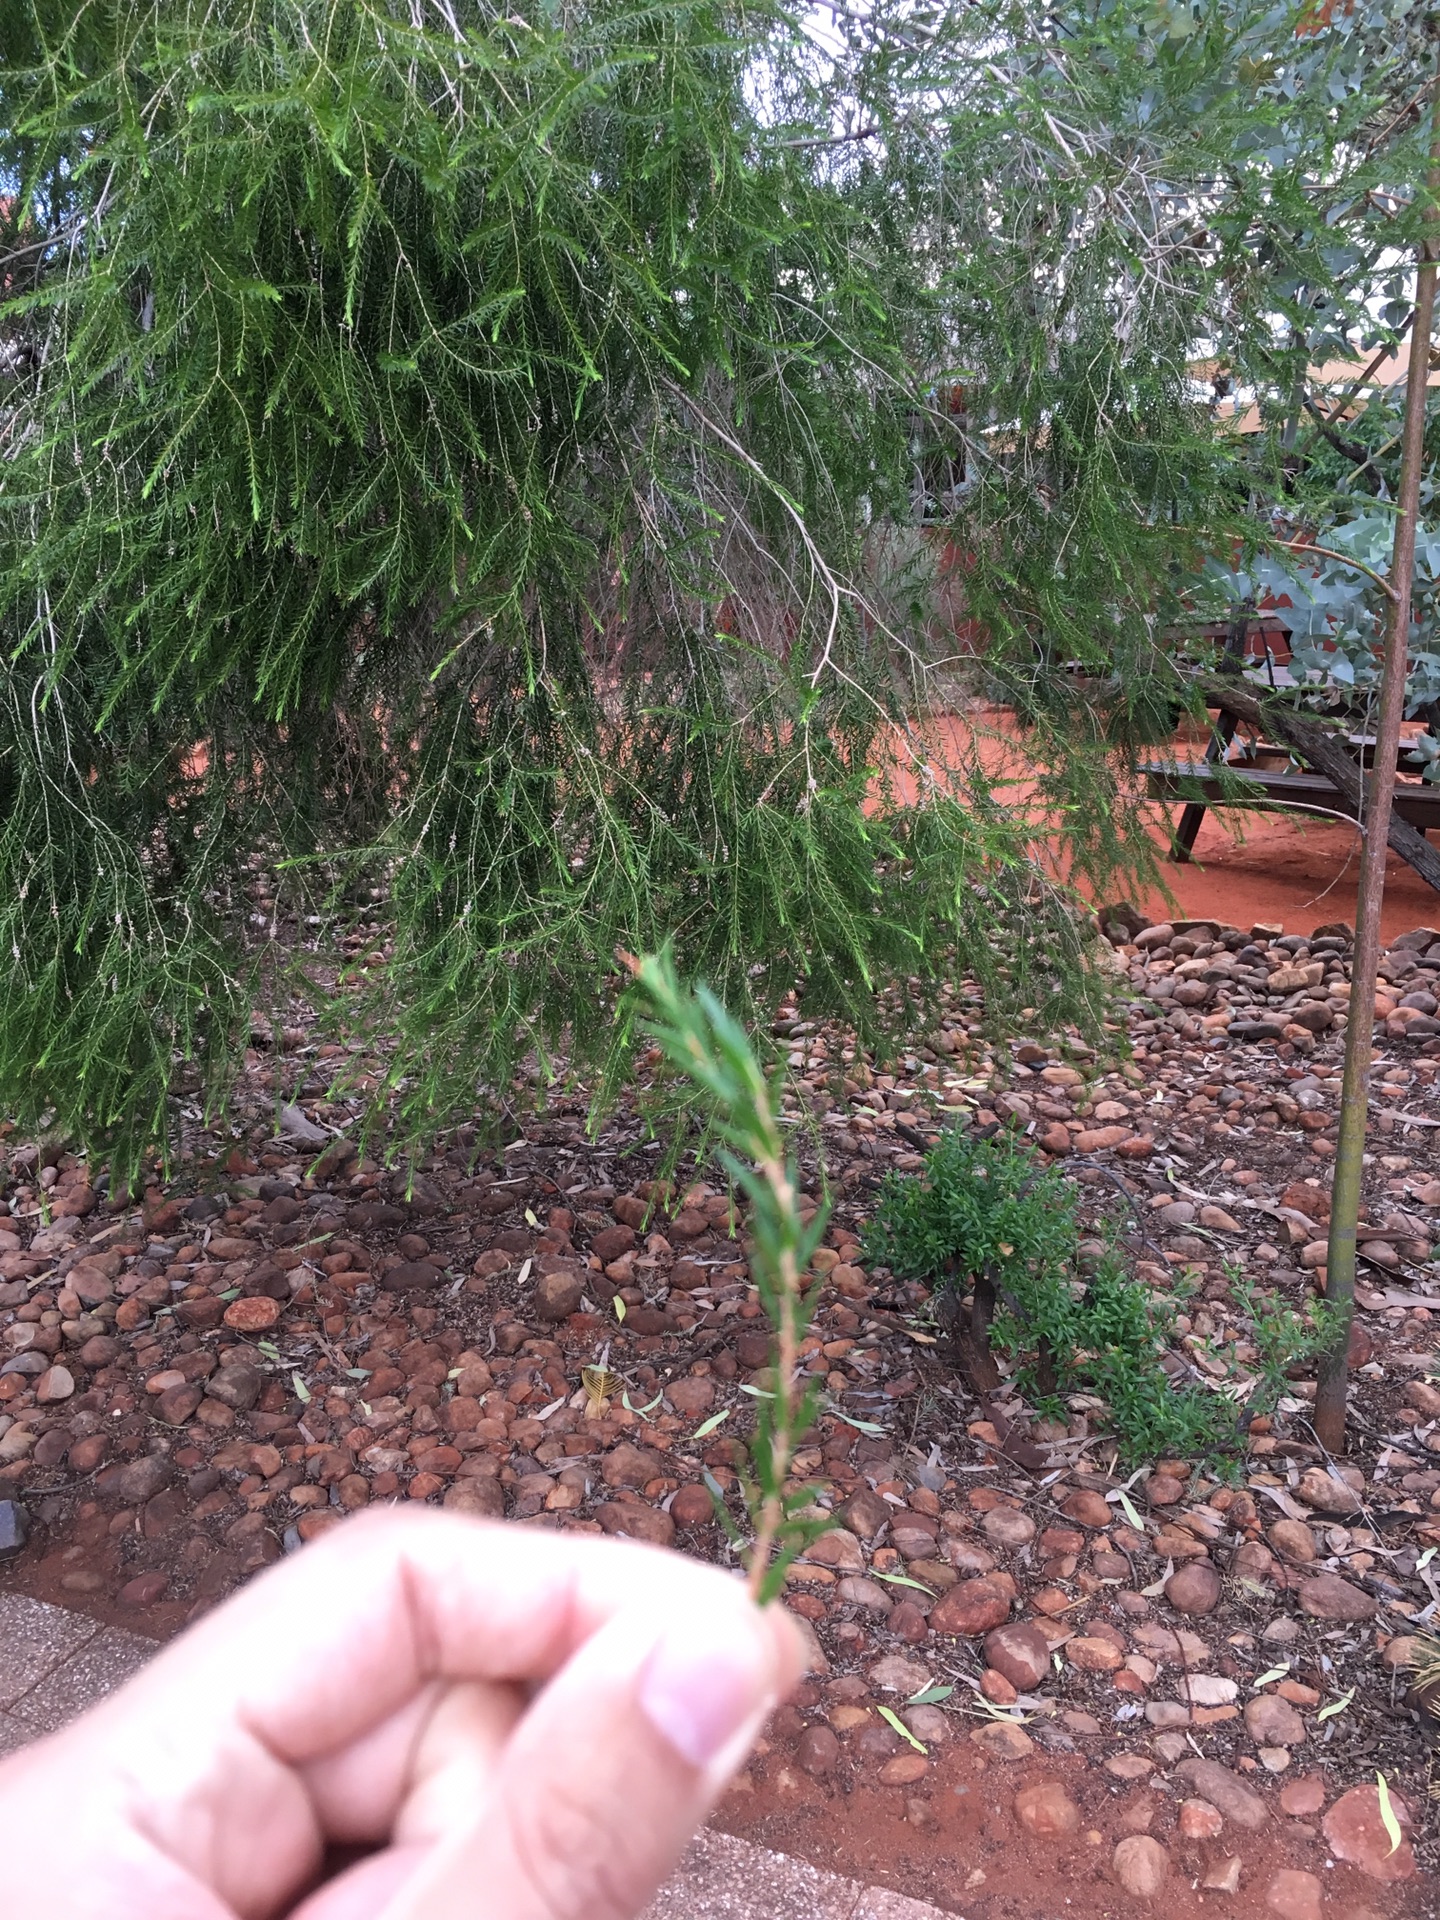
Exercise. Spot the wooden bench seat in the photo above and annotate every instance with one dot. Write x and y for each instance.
(1198, 781)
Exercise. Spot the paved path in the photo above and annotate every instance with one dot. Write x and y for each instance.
(54, 1664)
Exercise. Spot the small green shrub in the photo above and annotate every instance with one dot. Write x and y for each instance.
(1284, 1337)
(987, 1215)
(979, 1204)
(1151, 1415)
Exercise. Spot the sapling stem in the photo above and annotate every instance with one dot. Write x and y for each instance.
(701, 1040)
(1331, 1386)
(787, 1339)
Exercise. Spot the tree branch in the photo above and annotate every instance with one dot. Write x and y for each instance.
(1345, 559)
(835, 139)
(1350, 449)
(1372, 367)
(1317, 745)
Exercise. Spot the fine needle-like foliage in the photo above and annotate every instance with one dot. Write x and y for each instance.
(711, 1049)
(530, 475)
(438, 452)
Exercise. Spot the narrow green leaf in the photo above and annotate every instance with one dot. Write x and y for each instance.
(1131, 1515)
(929, 1696)
(709, 1426)
(1336, 1706)
(861, 1426)
(893, 1719)
(902, 1580)
(301, 1390)
(1275, 1673)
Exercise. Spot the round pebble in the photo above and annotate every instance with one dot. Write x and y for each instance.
(1194, 1588)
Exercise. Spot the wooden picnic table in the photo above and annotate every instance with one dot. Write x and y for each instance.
(1199, 784)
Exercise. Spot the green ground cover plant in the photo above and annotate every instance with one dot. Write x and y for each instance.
(1284, 1337)
(987, 1217)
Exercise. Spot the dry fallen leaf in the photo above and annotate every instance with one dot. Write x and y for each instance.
(894, 1720)
(599, 1383)
(1387, 1811)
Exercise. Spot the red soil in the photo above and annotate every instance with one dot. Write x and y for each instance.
(1295, 869)
(1290, 869)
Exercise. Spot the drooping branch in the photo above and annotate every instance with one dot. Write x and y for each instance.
(1318, 746)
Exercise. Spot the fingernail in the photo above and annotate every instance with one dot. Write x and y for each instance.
(705, 1679)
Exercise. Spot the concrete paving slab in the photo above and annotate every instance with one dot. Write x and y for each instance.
(880, 1903)
(34, 1639)
(722, 1878)
(87, 1676)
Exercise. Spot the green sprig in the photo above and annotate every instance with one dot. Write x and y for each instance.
(705, 1043)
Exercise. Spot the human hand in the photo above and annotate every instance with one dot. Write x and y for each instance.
(500, 1721)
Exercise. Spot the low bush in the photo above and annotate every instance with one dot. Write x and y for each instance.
(988, 1217)
(1285, 1338)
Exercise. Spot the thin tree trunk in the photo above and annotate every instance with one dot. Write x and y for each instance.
(1330, 1392)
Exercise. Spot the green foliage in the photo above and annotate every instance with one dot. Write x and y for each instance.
(1123, 1330)
(989, 1206)
(474, 453)
(978, 1204)
(439, 453)
(1138, 214)
(1284, 1337)
(702, 1041)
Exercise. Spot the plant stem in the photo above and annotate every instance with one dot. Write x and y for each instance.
(702, 1041)
(1330, 1393)
(787, 1279)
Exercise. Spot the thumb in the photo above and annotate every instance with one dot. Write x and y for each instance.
(615, 1764)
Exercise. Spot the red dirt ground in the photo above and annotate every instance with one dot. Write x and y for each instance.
(959, 1844)
(971, 1856)
(1289, 869)
(1249, 866)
